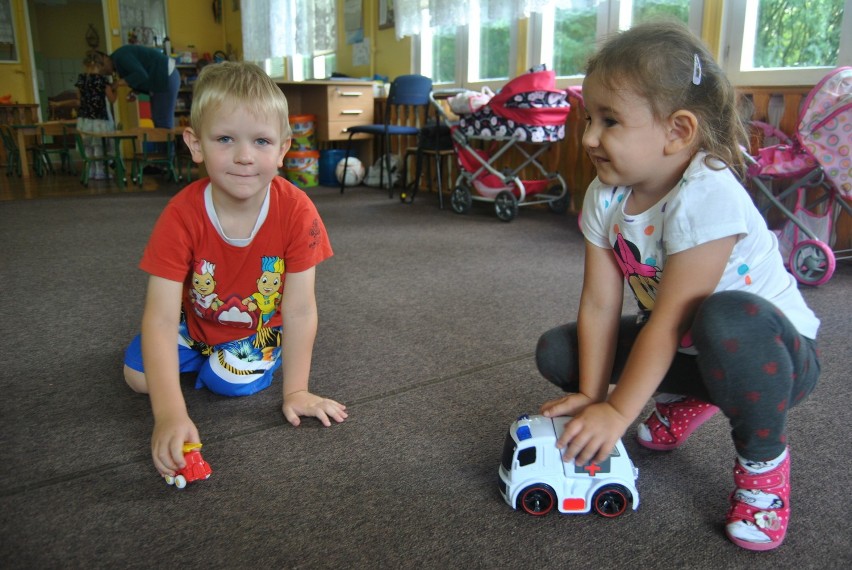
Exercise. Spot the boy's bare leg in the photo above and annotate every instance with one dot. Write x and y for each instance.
(136, 380)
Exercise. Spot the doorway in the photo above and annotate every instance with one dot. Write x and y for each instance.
(62, 31)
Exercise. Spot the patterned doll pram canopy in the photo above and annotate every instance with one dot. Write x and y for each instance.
(825, 127)
(529, 108)
(823, 136)
(818, 158)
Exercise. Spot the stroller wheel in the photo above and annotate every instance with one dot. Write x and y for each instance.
(461, 200)
(506, 206)
(559, 205)
(812, 262)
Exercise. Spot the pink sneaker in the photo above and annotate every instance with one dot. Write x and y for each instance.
(672, 423)
(760, 507)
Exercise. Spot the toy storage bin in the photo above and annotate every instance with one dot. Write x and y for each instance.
(327, 164)
(304, 133)
(301, 167)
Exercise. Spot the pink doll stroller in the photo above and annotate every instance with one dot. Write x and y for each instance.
(529, 109)
(819, 161)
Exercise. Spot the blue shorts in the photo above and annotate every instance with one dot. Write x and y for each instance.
(237, 368)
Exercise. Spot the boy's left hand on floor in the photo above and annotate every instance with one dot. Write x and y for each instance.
(304, 403)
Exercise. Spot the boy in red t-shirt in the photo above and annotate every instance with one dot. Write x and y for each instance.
(232, 267)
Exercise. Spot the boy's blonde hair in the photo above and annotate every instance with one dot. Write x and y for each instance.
(238, 83)
(667, 65)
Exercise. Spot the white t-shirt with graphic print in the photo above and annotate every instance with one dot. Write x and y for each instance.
(706, 205)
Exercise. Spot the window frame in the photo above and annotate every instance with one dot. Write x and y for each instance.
(467, 50)
(613, 15)
(740, 13)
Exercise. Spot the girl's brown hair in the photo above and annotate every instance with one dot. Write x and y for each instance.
(666, 64)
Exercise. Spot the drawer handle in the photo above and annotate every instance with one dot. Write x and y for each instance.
(351, 112)
(349, 93)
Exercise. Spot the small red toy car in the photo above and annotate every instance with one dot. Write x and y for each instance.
(196, 468)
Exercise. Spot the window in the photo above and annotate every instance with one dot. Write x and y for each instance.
(567, 32)
(526, 457)
(304, 30)
(472, 54)
(786, 42)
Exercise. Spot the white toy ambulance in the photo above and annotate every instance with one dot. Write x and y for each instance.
(534, 478)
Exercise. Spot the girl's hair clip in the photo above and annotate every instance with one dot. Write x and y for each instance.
(696, 70)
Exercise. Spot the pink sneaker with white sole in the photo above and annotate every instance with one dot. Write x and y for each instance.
(760, 507)
(670, 424)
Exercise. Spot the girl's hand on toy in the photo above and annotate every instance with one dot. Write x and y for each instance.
(569, 405)
(167, 442)
(304, 403)
(591, 435)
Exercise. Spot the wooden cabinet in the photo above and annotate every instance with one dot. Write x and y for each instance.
(18, 114)
(337, 105)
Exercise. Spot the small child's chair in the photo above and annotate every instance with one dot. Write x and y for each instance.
(153, 147)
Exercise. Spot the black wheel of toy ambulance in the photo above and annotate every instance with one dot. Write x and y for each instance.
(537, 500)
(611, 501)
(506, 206)
(461, 200)
(560, 205)
(812, 262)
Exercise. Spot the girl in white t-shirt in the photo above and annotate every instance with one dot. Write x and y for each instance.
(722, 325)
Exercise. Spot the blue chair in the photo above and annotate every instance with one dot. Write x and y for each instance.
(406, 104)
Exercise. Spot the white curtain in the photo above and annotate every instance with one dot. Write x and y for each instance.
(411, 15)
(279, 28)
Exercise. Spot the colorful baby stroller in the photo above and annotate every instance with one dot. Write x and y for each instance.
(529, 109)
(819, 162)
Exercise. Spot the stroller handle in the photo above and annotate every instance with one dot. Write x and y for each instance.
(438, 95)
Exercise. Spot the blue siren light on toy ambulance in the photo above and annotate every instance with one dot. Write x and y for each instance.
(523, 433)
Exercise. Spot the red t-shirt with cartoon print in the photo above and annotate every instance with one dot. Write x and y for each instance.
(231, 291)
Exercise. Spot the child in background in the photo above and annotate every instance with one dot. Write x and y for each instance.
(242, 234)
(722, 324)
(96, 94)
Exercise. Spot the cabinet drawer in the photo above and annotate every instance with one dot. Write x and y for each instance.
(350, 102)
(339, 130)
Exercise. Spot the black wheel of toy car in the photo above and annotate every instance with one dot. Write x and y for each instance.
(461, 200)
(560, 205)
(611, 501)
(506, 206)
(537, 500)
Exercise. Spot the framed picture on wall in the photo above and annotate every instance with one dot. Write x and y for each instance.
(385, 14)
(8, 42)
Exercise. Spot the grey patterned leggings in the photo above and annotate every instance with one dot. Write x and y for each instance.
(752, 364)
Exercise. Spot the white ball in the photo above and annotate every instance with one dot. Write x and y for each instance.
(354, 171)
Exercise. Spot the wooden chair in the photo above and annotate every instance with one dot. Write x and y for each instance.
(434, 147)
(183, 160)
(58, 140)
(153, 147)
(88, 160)
(13, 154)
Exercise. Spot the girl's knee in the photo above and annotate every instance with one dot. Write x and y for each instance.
(136, 380)
(555, 357)
(731, 312)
